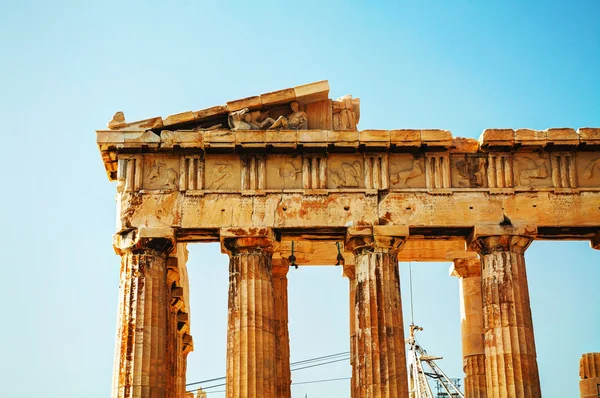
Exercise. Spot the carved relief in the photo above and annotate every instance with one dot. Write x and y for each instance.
(222, 172)
(345, 172)
(592, 169)
(346, 113)
(284, 172)
(160, 172)
(468, 171)
(236, 120)
(288, 171)
(587, 169)
(246, 120)
(163, 176)
(219, 175)
(296, 120)
(406, 171)
(532, 170)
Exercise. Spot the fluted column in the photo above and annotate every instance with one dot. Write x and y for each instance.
(380, 363)
(350, 274)
(468, 271)
(141, 368)
(511, 364)
(283, 375)
(179, 341)
(589, 371)
(251, 354)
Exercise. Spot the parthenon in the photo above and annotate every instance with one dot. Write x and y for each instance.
(290, 167)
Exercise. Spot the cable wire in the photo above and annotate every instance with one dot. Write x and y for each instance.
(305, 361)
(321, 364)
(294, 383)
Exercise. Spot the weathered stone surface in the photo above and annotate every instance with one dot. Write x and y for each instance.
(141, 363)
(468, 270)
(379, 366)
(283, 375)
(511, 363)
(251, 347)
(291, 165)
(349, 272)
(589, 371)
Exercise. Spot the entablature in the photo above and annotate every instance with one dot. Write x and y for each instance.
(294, 160)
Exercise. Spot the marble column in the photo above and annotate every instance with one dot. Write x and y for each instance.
(251, 351)
(350, 274)
(468, 271)
(141, 364)
(589, 371)
(179, 341)
(283, 374)
(379, 352)
(510, 356)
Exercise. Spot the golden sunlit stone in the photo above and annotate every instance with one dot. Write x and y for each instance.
(290, 167)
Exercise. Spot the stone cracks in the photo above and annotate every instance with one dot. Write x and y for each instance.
(474, 367)
(511, 365)
(251, 360)
(140, 368)
(379, 353)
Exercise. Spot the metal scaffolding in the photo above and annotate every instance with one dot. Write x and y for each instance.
(418, 374)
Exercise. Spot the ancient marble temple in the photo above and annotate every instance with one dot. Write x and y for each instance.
(259, 173)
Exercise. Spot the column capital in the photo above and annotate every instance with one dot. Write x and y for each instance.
(143, 239)
(386, 237)
(466, 267)
(486, 239)
(245, 240)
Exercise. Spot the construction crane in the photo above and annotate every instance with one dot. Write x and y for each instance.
(418, 373)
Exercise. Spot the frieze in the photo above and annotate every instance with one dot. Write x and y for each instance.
(284, 172)
(222, 172)
(406, 171)
(587, 165)
(532, 170)
(345, 171)
(499, 172)
(161, 172)
(468, 171)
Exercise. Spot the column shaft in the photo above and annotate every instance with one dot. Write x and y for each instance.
(380, 363)
(140, 357)
(282, 337)
(251, 357)
(511, 364)
(354, 378)
(475, 378)
(468, 271)
(172, 354)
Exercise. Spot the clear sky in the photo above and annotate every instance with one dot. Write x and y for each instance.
(458, 65)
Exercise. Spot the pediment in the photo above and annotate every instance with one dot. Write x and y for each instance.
(305, 107)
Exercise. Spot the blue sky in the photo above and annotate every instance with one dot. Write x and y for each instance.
(459, 65)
